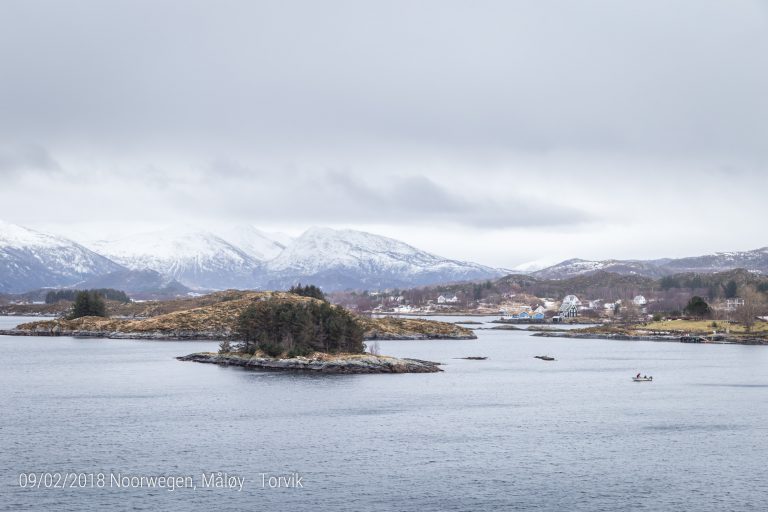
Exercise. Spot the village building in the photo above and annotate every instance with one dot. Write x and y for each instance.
(569, 310)
(639, 300)
(571, 300)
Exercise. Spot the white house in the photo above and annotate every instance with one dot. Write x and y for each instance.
(731, 304)
(447, 300)
(571, 300)
(569, 310)
(639, 300)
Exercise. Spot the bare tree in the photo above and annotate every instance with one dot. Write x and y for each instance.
(754, 305)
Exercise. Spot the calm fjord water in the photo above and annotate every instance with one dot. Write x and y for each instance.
(509, 433)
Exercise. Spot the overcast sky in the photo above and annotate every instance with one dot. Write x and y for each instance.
(500, 132)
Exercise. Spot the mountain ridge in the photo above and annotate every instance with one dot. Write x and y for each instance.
(755, 260)
(189, 258)
(30, 259)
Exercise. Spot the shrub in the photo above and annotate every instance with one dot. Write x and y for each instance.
(225, 347)
(299, 352)
(271, 349)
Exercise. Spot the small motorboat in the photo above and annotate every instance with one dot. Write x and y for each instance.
(545, 358)
(474, 358)
(642, 379)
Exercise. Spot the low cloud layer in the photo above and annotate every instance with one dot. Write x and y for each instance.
(28, 158)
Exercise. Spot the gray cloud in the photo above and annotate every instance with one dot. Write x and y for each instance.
(525, 116)
(18, 159)
(635, 77)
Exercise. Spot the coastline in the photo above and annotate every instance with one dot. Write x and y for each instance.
(647, 337)
(199, 336)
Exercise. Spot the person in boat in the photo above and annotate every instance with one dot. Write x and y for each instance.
(637, 376)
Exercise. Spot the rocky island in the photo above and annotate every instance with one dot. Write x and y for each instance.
(214, 317)
(266, 331)
(318, 363)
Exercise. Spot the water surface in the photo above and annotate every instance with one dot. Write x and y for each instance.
(511, 432)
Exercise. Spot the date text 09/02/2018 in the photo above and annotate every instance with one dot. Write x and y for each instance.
(73, 480)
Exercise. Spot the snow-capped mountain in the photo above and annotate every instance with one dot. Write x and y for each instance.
(245, 257)
(576, 267)
(339, 259)
(30, 259)
(756, 261)
(254, 242)
(192, 256)
(531, 266)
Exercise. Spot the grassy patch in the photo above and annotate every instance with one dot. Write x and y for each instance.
(701, 326)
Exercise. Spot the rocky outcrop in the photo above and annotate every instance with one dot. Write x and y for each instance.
(319, 363)
(605, 336)
(392, 328)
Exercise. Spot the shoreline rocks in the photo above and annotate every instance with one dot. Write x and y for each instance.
(319, 363)
(647, 337)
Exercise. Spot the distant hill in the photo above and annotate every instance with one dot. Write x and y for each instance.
(755, 260)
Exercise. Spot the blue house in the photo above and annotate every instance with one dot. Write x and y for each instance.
(538, 316)
(524, 316)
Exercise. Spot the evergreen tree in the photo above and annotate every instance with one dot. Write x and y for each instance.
(697, 307)
(278, 326)
(309, 290)
(731, 289)
(55, 296)
(88, 303)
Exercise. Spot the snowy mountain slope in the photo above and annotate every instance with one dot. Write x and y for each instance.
(756, 260)
(136, 282)
(254, 242)
(575, 267)
(244, 257)
(30, 259)
(531, 266)
(338, 259)
(194, 257)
